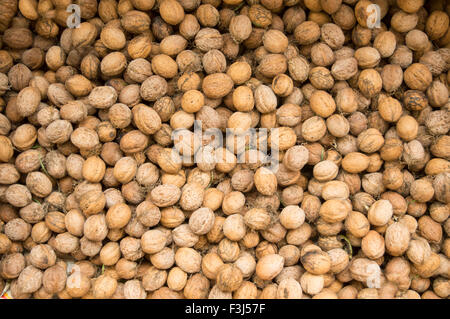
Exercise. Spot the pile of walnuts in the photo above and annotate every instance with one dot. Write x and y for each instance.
(107, 189)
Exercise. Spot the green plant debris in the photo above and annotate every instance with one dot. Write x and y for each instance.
(239, 6)
(349, 247)
(43, 166)
(211, 180)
